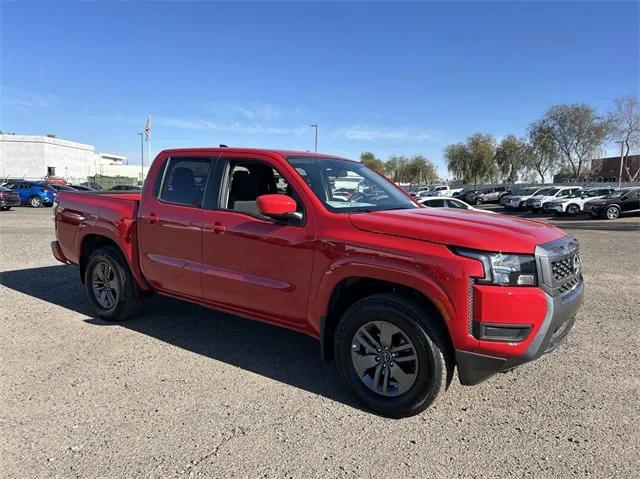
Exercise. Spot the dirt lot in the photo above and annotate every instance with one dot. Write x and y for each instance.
(186, 391)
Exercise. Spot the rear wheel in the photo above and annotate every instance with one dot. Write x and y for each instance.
(110, 286)
(393, 354)
(35, 201)
(612, 212)
(5, 208)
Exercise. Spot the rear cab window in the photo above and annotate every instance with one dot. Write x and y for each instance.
(184, 181)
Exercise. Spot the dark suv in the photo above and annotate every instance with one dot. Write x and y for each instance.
(620, 202)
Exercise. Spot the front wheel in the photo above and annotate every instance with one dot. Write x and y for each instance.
(110, 286)
(612, 212)
(573, 210)
(35, 201)
(393, 354)
(478, 201)
(5, 208)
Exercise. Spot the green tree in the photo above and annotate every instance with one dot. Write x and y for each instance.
(578, 133)
(542, 152)
(474, 160)
(511, 155)
(370, 160)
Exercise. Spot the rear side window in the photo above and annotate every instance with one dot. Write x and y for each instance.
(185, 181)
(436, 203)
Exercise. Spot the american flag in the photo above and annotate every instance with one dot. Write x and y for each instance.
(147, 128)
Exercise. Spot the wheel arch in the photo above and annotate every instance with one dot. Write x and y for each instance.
(353, 288)
(90, 243)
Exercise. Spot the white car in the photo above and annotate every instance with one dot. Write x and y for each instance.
(519, 199)
(574, 203)
(442, 190)
(539, 201)
(449, 203)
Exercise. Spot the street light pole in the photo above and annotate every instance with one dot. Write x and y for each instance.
(621, 161)
(141, 156)
(316, 142)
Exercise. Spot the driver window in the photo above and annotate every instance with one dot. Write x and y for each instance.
(247, 180)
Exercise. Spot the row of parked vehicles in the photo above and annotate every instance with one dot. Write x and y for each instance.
(606, 202)
(40, 193)
(600, 201)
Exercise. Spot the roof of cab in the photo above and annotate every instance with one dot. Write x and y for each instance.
(234, 149)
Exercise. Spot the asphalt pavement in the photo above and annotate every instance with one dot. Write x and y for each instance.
(185, 391)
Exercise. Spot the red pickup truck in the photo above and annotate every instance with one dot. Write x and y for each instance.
(398, 294)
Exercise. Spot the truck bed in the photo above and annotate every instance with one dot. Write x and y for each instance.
(111, 214)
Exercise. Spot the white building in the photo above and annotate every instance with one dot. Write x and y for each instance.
(35, 157)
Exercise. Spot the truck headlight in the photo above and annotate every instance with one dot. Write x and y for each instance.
(504, 269)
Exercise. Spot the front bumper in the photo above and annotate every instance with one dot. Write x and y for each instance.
(474, 368)
(9, 202)
(554, 303)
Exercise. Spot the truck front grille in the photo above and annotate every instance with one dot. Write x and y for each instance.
(562, 268)
(559, 266)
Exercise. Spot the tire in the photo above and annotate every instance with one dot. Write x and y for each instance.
(417, 326)
(35, 201)
(108, 269)
(612, 212)
(573, 210)
(478, 201)
(5, 208)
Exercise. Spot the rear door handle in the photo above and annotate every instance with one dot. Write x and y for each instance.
(153, 218)
(218, 228)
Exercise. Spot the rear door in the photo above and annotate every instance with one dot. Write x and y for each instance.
(170, 226)
(253, 264)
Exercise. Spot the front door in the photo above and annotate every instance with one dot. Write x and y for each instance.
(170, 227)
(631, 202)
(253, 264)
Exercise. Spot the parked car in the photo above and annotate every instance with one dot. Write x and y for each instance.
(449, 203)
(538, 202)
(490, 194)
(574, 203)
(388, 287)
(62, 187)
(125, 188)
(465, 193)
(517, 200)
(82, 188)
(32, 193)
(8, 198)
(442, 190)
(620, 202)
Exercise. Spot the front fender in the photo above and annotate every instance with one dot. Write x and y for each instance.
(375, 268)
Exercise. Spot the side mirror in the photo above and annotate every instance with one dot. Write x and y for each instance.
(278, 207)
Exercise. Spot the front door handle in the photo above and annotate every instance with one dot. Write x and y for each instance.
(218, 228)
(153, 218)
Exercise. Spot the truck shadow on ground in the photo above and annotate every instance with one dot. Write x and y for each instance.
(273, 352)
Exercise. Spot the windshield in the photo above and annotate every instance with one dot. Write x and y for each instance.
(325, 176)
(617, 193)
(590, 193)
(547, 192)
(528, 191)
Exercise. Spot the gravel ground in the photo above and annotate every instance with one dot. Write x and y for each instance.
(186, 391)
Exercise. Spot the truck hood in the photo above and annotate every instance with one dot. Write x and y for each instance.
(464, 228)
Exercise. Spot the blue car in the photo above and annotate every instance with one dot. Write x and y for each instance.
(32, 193)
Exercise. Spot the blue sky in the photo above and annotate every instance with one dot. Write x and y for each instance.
(392, 78)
